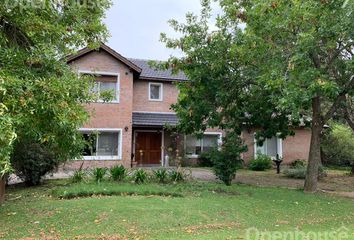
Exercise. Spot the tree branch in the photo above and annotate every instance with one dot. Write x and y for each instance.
(349, 121)
(348, 114)
(341, 97)
(340, 49)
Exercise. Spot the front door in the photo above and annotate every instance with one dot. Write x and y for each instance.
(148, 148)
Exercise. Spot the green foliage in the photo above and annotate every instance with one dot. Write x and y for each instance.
(338, 145)
(299, 172)
(298, 163)
(261, 163)
(7, 136)
(82, 190)
(32, 160)
(177, 175)
(289, 56)
(140, 176)
(161, 175)
(78, 176)
(205, 160)
(227, 159)
(99, 174)
(41, 97)
(118, 173)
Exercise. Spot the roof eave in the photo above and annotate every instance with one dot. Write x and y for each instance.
(116, 55)
(162, 79)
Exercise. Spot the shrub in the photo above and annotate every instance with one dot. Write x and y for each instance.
(338, 146)
(140, 176)
(261, 163)
(205, 160)
(32, 160)
(118, 173)
(78, 176)
(227, 159)
(297, 173)
(161, 175)
(177, 175)
(300, 172)
(298, 163)
(98, 174)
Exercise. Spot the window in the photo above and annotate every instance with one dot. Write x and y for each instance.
(195, 146)
(105, 82)
(155, 91)
(110, 87)
(102, 144)
(271, 147)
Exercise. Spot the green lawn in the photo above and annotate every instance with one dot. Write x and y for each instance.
(182, 211)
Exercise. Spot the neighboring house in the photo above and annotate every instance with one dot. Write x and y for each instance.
(130, 130)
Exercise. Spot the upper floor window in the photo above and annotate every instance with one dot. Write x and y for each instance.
(155, 91)
(271, 147)
(106, 84)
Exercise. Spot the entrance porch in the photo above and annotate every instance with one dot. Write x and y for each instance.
(155, 145)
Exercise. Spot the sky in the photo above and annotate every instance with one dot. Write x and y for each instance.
(135, 26)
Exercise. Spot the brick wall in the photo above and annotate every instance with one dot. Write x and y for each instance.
(294, 147)
(141, 97)
(111, 115)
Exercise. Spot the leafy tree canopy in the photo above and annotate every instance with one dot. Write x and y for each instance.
(290, 65)
(40, 96)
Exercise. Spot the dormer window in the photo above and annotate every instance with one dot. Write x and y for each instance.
(155, 91)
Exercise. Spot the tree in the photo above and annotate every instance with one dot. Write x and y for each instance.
(290, 64)
(41, 98)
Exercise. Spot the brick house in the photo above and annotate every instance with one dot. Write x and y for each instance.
(130, 130)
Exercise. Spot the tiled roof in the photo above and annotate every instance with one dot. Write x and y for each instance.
(151, 73)
(154, 119)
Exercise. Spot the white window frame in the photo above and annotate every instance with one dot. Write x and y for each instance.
(279, 147)
(201, 143)
(161, 92)
(107, 130)
(111, 74)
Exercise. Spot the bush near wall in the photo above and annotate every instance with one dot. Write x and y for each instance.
(260, 163)
(33, 160)
(338, 146)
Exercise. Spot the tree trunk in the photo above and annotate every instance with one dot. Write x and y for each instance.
(352, 173)
(315, 148)
(2, 190)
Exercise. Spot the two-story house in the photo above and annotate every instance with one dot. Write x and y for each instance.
(130, 130)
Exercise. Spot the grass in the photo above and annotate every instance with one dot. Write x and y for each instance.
(149, 211)
(336, 180)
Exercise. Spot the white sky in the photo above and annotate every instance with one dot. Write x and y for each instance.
(135, 25)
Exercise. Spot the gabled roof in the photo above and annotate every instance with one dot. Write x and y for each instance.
(154, 119)
(109, 50)
(140, 66)
(150, 73)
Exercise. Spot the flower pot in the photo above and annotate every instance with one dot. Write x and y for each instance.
(2, 190)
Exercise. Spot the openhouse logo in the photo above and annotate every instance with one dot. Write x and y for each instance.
(341, 233)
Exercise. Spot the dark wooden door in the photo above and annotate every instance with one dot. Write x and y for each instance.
(148, 148)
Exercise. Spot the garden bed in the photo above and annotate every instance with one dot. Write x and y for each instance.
(113, 189)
